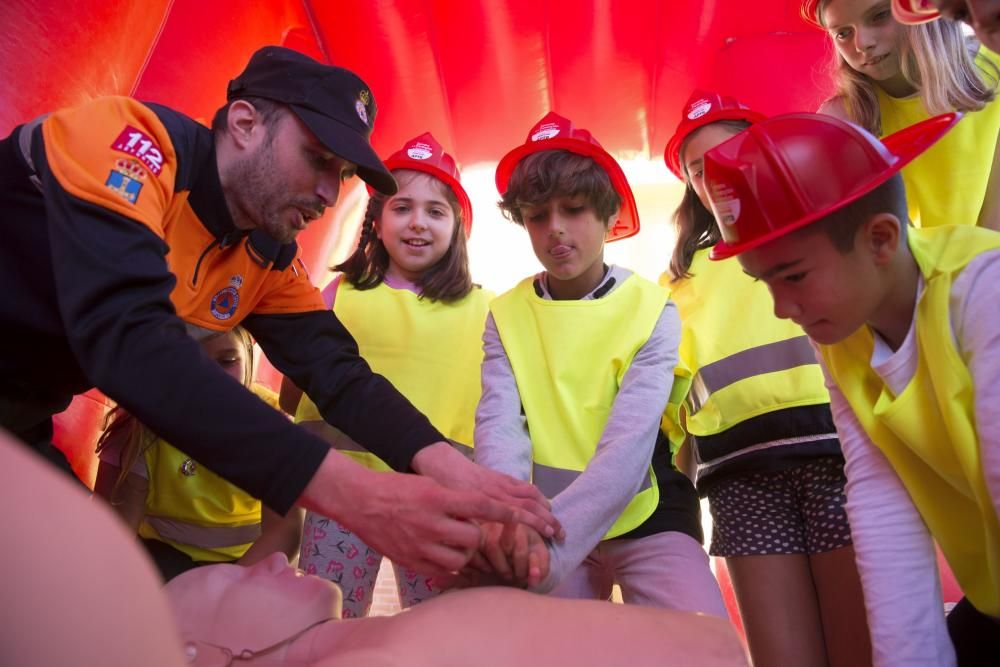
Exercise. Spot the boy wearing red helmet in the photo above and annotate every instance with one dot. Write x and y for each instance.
(903, 321)
(577, 373)
(760, 431)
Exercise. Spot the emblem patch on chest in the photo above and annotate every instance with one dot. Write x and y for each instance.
(227, 299)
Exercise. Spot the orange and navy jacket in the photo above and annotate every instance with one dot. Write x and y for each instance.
(115, 231)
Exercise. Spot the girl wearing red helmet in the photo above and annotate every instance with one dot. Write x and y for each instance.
(761, 432)
(407, 297)
(890, 76)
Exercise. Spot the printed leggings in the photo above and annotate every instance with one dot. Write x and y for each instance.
(333, 552)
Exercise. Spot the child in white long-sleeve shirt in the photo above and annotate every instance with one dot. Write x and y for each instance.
(576, 375)
(904, 322)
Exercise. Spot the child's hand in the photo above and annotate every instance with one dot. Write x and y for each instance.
(514, 552)
(445, 464)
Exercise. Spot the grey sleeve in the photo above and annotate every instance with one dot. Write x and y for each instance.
(590, 505)
(501, 436)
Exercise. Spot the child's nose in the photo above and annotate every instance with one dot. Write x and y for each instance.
(418, 221)
(864, 39)
(556, 225)
(785, 308)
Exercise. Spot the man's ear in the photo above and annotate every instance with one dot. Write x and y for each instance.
(242, 120)
(881, 236)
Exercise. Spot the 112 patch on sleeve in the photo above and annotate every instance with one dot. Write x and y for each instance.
(139, 144)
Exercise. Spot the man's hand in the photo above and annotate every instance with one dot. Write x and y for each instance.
(441, 462)
(413, 520)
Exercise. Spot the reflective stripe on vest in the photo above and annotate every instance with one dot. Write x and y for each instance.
(206, 537)
(553, 481)
(781, 355)
(569, 359)
(430, 351)
(742, 360)
(928, 432)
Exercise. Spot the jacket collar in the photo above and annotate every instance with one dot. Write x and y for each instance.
(208, 200)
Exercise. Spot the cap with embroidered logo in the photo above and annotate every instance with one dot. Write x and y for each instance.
(334, 103)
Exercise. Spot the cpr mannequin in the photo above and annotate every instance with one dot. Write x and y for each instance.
(271, 614)
(75, 588)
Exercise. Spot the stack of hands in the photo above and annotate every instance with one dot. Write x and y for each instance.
(511, 551)
(510, 554)
(458, 522)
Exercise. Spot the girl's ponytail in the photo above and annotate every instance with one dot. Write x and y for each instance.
(366, 266)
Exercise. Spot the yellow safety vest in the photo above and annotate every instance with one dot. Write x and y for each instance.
(431, 351)
(928, 432)
(194, 510)
(743, 361)
(947, 183)
(569, 359)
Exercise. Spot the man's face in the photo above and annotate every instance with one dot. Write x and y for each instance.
(568, 239)
(828, 293)
(286, 179)
(982, 15)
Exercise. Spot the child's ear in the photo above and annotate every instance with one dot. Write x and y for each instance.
(612, 218)
(882, 235)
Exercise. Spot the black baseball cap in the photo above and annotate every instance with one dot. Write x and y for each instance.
(334, 103)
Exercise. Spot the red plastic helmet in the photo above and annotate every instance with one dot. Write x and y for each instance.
(425, 154)
(700, 110)
(788, 171)
(914, 12)
(808, 12)
(553, 133)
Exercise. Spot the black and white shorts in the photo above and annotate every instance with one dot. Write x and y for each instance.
(795, 511)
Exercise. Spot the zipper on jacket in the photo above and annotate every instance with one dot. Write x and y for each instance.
(226, 241)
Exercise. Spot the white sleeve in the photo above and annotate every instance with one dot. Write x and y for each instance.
(976, 324)
(894, 552)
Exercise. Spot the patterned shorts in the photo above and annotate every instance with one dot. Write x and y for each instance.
(795, 511)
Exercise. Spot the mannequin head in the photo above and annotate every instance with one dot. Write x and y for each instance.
(250, 607)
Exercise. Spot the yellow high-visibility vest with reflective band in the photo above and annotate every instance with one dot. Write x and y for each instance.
(569, 359)
(194, 510)
(742, 360)
(431, 351)
(928, 433)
